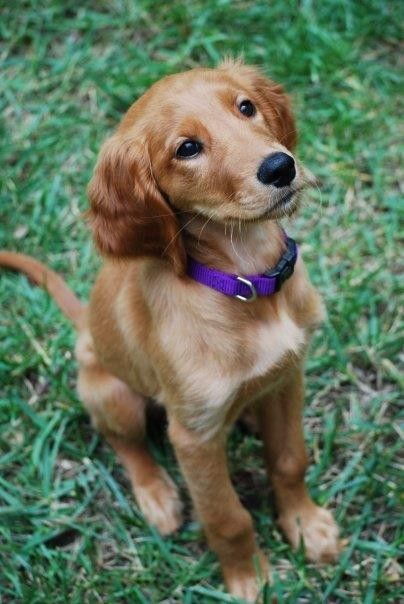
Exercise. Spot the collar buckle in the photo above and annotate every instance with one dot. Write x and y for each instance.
(286, 265)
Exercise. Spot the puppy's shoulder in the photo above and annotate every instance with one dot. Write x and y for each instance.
(303, 300)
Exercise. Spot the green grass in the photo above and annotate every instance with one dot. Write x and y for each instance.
(69, 531)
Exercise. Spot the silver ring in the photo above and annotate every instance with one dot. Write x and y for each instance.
(252, 288)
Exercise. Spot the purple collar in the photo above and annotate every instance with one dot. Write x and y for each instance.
(247, 287)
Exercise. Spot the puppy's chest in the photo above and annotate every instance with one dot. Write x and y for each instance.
(269, 344)
(215, 362)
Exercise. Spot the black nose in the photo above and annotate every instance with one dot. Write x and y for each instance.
(277, 169)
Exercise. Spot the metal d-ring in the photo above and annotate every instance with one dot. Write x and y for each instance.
(252, 288)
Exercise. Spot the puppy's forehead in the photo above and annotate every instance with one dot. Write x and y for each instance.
(195, 92)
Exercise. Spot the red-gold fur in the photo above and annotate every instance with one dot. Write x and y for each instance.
(151, 332)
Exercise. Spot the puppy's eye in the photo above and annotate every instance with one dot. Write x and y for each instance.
(247, 108)
(189, 148)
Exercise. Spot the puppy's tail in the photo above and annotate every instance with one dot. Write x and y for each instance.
(43, 276)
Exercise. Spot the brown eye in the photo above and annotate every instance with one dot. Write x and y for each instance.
(189, 149)
(247, 108)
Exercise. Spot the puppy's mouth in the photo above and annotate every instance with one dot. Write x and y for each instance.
(286, 205)
(288, 202)
(285, 201)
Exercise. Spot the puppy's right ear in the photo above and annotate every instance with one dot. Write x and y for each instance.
(128, 215)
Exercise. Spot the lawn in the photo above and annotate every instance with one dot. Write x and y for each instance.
(69, 530)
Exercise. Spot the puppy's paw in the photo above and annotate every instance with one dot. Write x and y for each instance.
(245, 581)
(317, 528)
(160, 503)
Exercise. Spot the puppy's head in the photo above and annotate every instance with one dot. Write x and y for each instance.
(214, 141)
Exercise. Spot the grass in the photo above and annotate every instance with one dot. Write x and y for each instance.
(69, 531)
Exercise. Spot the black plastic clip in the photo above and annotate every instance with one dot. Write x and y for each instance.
(286, 265)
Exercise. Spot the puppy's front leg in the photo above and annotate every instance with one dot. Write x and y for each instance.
(228, 526)
(286, 459)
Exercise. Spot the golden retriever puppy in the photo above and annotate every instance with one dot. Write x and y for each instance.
(203, 305)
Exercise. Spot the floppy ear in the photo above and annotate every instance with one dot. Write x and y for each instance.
(128, 215)
(274, 102)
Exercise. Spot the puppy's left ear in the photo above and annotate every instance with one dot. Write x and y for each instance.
(128, 214)
(273, 101)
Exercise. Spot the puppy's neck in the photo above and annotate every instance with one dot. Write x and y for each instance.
(242, 248)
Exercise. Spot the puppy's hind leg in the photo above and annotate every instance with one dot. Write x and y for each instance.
(119, 414)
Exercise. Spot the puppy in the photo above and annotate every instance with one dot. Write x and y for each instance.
(203, 305)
